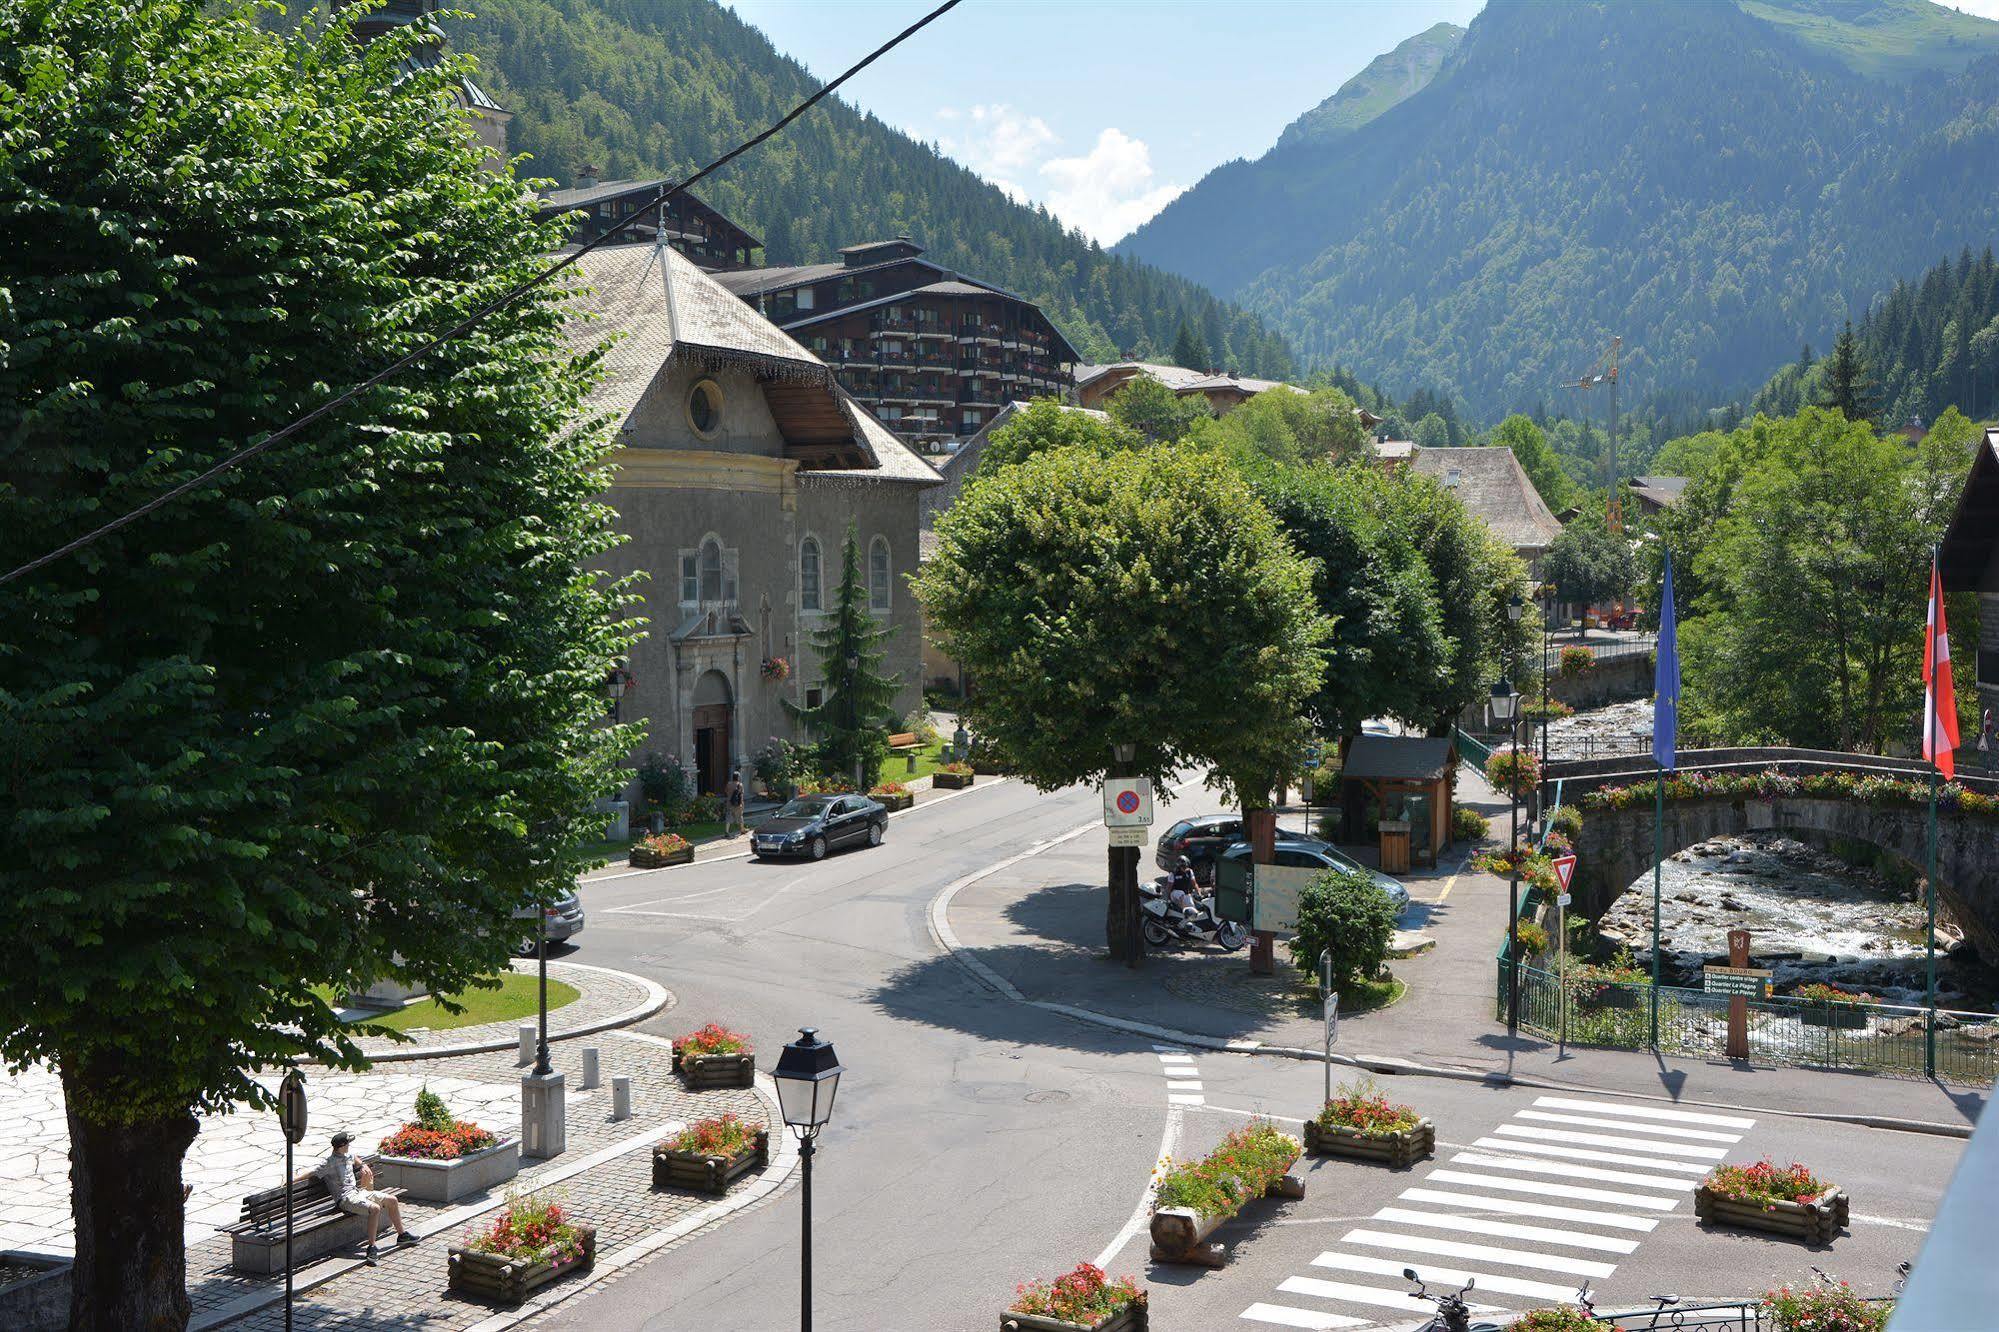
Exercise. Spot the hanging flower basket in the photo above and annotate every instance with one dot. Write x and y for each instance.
(776, 668)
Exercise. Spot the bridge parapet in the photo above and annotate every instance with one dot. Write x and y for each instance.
(1579, 776)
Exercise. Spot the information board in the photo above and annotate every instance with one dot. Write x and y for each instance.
(1747, 982)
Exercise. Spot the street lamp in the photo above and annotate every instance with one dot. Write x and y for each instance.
(807, 1076)
(1506, 708)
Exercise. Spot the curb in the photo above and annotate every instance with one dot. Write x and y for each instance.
(940, 929)
(658, 999)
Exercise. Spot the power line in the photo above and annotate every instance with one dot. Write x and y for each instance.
(464, 325)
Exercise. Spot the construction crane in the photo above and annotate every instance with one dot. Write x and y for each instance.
(1604, 371)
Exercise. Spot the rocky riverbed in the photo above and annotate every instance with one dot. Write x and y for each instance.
(1811, 917)
(1621, 728)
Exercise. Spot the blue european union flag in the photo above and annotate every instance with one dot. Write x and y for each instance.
(1666, 679)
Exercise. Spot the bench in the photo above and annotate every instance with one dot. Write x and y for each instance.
(319, 1227)
(903, 740)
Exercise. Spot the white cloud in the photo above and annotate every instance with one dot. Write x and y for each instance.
(996, 141)
(1108, 191)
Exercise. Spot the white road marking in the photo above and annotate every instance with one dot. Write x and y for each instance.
(1665, 1130)
(1565, 1171)
(1536, 1186)
(1176, 1099)
(1586, 1154)
(1445, 1276)
(1480, 1253)
(1386, 1299)
(1652, 1145)
(1521, 1207)
(1283, 1315)
(1469, 1225)
(1183, 1084)
(1643, 1112)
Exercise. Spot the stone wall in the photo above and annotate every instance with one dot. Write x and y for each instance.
(1618, 680)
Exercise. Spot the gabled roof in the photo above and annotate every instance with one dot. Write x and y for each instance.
(1496, 489)
(562, 201)
(1664, 491)
(749, 282)
(1973, 535)
(1172, 376)
(1405, 758)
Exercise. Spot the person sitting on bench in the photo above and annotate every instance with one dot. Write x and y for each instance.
(352, 1185)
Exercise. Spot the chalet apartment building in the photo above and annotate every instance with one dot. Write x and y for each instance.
(933, 353)
(711, 240)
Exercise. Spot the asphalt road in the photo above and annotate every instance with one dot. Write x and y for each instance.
(978, 1142)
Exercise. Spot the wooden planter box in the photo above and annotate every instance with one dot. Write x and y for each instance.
(1840, 1017)
(448, 1181)
(950, 781)
(892, 803)
(1397, 1149)
(641, 859)
(488, 1276)
(704, 1173)
(715, 1072)
(1180, 1234)
(1134, 1317)
(1815, 1222)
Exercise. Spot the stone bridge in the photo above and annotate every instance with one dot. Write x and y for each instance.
(1616, 845)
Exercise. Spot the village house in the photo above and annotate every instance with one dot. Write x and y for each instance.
(1223, 391)
(1497, 491)
(711, 240)
(1968, 561)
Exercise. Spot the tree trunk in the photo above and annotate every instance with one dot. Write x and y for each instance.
(125, 1192)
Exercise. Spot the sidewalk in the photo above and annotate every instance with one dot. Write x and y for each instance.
(1039, 926)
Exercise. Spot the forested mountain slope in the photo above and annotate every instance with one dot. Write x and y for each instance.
(650, 87)
(1696, 179)
(1389, 80)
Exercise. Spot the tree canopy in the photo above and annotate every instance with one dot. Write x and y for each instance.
(1589, 564)
(852, 722)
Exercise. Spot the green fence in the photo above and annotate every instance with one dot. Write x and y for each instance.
(1875, 1038)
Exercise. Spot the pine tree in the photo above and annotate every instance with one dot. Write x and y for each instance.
(853, 719)
(1848, 390)
(1190, 349)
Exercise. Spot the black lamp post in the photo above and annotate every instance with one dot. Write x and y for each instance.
(807, 1076)
(1506, 708)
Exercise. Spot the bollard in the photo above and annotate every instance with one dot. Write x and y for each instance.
(910, 763)
(621, 1098)
(590, 1078)
(527, 1044)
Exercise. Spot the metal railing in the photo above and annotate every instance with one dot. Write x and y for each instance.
(1603, 649)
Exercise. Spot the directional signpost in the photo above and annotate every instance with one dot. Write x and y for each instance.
(1741, 983)
(1332, 1012)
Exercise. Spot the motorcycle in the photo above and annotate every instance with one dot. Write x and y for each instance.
(1165, 925)
(1453, 1314)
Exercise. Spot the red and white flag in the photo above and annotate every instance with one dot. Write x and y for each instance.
(1939, 698)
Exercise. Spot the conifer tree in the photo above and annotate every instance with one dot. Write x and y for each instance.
(853, 718)
(1848, 389)
(1190, 349)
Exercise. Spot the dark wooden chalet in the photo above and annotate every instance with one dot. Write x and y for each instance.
(711, 240)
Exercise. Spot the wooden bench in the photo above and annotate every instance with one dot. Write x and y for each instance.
(903, 740)
(319, 1227)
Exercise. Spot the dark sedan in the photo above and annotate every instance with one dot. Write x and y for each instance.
(815, 824)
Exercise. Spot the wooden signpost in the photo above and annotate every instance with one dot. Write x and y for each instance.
(1741, 983)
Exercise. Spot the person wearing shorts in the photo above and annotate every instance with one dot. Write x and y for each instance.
(352, 1183)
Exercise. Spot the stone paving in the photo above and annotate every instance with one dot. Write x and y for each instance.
(603, 995)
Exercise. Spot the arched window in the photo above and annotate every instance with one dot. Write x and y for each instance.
(808, 574)
(878, 574)
(711, 570)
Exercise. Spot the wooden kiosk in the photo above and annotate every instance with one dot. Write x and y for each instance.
(1409, 781)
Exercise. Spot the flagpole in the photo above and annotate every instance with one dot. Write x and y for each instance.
(1665, 748)
(1930, 866)
(1658, 871)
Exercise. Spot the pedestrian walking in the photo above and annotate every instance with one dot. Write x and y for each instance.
(732, 806)
(1987, 742)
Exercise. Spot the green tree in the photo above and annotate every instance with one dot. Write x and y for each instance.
(1047, 424)
(1847, 387)
(1288, 427)
(1068, 587)
(1588, 564)
(1190, 349)
(1344, 915)
(1537, 459)
(1154, 413)
(854, 719)
(333, 715)
(1433, 432)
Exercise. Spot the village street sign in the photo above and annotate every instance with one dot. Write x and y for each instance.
(1743, 982)
(1128, 803)
(1132, 836)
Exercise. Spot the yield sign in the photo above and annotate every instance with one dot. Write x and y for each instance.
(1565, 870)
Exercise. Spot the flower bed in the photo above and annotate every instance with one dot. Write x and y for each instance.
(952, 776)
(714, 1058)
(1828, 1306)
(1084, 1298)
(531, 1243)
(825, 786)
(440, 1159)
(892, 795)
(710, 1154)
(1361, 1123)
(660, 849)
(1193, 1198)
(1774, 783)
(1559, 1318)
(1786, 1201)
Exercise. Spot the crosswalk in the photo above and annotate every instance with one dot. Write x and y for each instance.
(1559, 1195)
(1183, 1079)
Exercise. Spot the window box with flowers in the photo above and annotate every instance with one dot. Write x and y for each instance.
(714, 1058)
(952, 776)
(1076, 1301)
(710, 1154)
(529, 1244)
(892, 796)
(1362, 1124)
(660, 850)
(1780, 1201)
(1822, 1005)
(1194, 1198)
(439, 1159)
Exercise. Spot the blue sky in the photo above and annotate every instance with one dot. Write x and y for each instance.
(1101, 109)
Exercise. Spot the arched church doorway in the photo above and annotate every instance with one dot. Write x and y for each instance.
(714, 717)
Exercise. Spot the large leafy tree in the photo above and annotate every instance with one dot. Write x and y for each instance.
(1589, 564)
(1537, 458)
(335, 714)
(1154, 412)
(1287, 427)
(1048, 424)
(853, 721)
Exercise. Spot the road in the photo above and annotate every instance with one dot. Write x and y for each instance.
(978, 1142)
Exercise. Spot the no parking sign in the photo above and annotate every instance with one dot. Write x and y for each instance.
(1128, 802)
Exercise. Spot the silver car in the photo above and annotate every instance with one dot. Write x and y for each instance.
(564, 920)
(1311, 853)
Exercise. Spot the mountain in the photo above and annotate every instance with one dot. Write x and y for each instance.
(1388, 80)
(1894, 39)
(1698, 179)
(640, 88)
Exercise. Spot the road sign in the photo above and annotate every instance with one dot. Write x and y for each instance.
(291, 1106)
(1565, 899)
(1746, 982)
(1132, 836)
(1128, 803)
(1565, 870)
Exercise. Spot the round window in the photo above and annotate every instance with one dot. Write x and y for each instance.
(704, 407)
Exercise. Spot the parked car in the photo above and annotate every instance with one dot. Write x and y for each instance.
(1311, 853)
(564, 921)
(1200, 840)
(815, 824)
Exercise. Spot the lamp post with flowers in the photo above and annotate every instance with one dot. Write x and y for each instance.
(1506, 708)
(807, 1076)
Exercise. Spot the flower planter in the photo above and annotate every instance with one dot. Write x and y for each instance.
(1401, 1148)
(704, 1173)
(1815, 1222)
(1180, 1234)
(950, 781)
(511, 1280)
(448, 1181)
(643, 859)
(715, 1072)
(894, 802)
(1840, 1017)
(1134, 1317)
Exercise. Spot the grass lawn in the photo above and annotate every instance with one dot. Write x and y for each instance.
(1368, 995)
(895, 768)
(514, 999)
